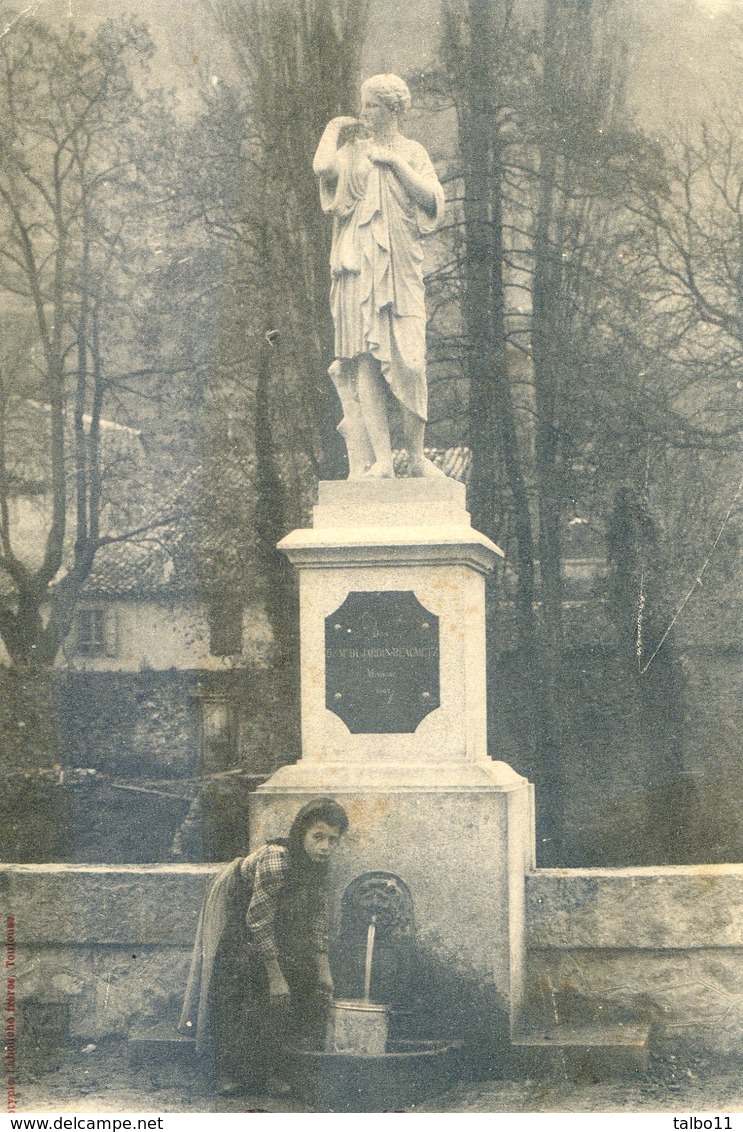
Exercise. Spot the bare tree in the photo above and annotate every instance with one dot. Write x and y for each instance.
(70, 196)
(297, 62)
(253, 189)
(550, 162)
(484, 88)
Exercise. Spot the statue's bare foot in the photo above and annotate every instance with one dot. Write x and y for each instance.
(379, 471)
(423, 468)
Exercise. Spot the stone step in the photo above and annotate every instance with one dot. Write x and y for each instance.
(596, 1052)
(160, 1045)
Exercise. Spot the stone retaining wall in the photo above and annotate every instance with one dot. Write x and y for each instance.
(114, 942)
(662, 944)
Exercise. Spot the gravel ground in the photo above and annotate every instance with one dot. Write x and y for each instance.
(100, 1079)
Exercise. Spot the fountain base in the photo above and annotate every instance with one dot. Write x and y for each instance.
(395, 1081)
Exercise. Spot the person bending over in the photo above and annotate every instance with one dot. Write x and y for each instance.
(260, 979)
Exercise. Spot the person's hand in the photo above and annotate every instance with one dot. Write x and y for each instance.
(324, 977)
(278, 990)
(347, 129)
(381, 155)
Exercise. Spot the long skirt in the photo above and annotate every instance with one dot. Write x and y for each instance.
(252, 1037)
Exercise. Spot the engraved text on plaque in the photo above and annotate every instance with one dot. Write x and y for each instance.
(381, 662)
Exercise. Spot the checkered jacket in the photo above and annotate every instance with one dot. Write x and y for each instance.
(268, 870)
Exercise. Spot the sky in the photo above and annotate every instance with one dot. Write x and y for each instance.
(685, 50)
(688, 53)
(402, 35)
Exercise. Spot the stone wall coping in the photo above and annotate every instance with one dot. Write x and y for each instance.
(640, 871)
(652, 907)
(679, 907)
(62, 905)
(55, 868)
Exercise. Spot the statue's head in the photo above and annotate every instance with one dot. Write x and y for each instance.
(391, 91)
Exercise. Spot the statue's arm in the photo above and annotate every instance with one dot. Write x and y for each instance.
(325, 162)
(417, 186)
(420, 185)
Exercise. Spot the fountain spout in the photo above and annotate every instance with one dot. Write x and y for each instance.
(370, 935)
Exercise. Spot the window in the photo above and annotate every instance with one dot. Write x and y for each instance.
(225, 627)
(91, 637)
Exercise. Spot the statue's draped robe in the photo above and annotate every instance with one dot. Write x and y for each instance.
(376, 265)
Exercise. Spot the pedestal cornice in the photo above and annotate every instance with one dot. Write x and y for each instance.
(359, 545)
(316, 777)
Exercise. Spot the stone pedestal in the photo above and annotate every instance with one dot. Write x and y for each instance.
(392, 611)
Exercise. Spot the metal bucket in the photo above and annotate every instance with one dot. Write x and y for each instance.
(357, 1027)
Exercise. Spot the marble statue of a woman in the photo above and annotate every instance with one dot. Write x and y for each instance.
(384, 195)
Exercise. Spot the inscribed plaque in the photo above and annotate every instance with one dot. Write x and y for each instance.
(381, 662)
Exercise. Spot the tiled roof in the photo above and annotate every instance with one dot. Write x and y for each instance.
(201, 538)
(132, 569)
(188, 553)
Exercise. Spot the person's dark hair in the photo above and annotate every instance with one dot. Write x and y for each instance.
(301, 894)
(319, 809)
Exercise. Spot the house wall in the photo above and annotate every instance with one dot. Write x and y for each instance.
(663, 944)
(146, 725)
(161, 635)
(167, 634)
(28, 520)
